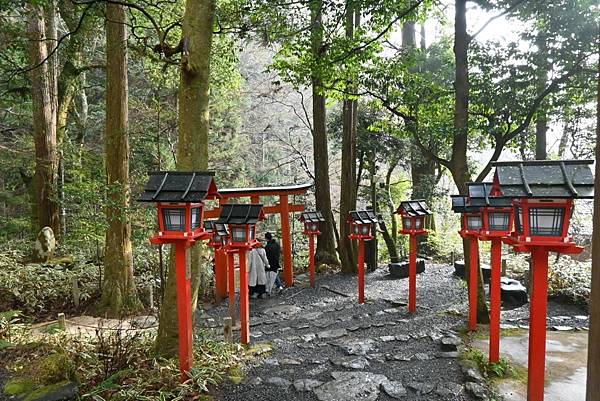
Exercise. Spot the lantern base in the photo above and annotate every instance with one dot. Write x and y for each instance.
(171, 239)
(414, 232)
(519, 245)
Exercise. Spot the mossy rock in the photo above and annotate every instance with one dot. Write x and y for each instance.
(18, 386)
(55, 368)
(61, 391)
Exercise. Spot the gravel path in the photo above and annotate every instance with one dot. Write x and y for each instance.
(375, 351)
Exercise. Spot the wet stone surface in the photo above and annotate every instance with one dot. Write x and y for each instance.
(329, 348)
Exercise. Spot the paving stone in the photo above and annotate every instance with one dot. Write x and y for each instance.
(379, 313)
(392, 310)
(395, 301)
(357, 346)
(420, 356)
(328, 334)
(448, 389)
(473, 375)
(302, 385)
(505, 326)
(394, 389)
(308, 337)
(420, 387)
(278, 381)
(402, 337)
(351, 386)
(302, 326)
(376, 357)
(311, 315)
(436, 336)
(450, 344)
(451, 354)
(282, 310)
(318, 370)
(397, 357)
(477, 390)
(323, 323)
(271, 362)
(387, 339)
(353, 328)
(290, 361)
(255, 381)
(581, 317)
(351, 362)
(562, 328)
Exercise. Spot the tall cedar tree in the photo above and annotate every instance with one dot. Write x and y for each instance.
(192, 148)
(348, 174)
(118, 292)
(44, 127)
(593, 370)
(326, 242)
(458, 163)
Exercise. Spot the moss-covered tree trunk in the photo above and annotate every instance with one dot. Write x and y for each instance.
(192, 150)
(118, 290)
(325, 252)
(44, 127)
(593, 368)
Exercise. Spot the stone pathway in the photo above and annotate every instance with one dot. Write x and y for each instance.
(329, 348)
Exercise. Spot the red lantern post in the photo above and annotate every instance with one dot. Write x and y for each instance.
(361, 226)
(179, 197)
(497, 219)
(413, 215)
(471, 226)
(312, 222)
(543, 193)
(241, 220)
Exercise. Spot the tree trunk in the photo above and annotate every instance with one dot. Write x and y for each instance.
(458, 163)
(325, 252)
(541, 119)
(118, 290)
(348, 173)
(44, 127)
(192, 152)
(593, 369)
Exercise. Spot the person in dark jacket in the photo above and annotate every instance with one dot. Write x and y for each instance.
(273, 251)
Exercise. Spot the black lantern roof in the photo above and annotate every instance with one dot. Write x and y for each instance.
(545, 179)
(179, 186)
(216, 228)
(241, 213)
(480, 196)
(311, 217)
(461, 204)
(363, 217)
(417, 207)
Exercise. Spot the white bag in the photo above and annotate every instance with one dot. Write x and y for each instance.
(271, 276)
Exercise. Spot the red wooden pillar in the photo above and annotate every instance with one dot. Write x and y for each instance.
(231, 284)
(184, 309)
(311, 259)
(361, 271)
(412, 275)
(220, 274)
(286, 239)
(537, 322)
(473, 281)
(495, 301)
(244, 307)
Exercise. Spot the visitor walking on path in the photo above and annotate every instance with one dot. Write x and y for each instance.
(273, 251)
(257, 278)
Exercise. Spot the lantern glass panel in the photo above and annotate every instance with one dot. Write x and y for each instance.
(546, 221)
(418, 223)
(498, 221)
(196, 214)
(252, 232)
(407, 223)
(474, 222)
(314, 227)
(365, 229)
(238, 233)
(174, 219)
(519, 219)
(356, 229)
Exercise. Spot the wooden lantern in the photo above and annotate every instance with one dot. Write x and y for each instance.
(413, 213)
(241, 222)
(312, 222)
(471, 219)
(361, 224)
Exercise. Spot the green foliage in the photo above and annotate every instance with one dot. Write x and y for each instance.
(503, 369)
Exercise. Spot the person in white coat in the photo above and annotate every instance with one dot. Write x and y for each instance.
(257, 277)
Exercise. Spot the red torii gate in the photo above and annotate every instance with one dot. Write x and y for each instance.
(284, 208)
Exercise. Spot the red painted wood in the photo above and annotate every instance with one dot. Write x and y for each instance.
(495, 301)
(286, 240)
(361, 271)
(311, 259)
(231, 284)
(220, 274)
(537, 325)
(244, 301)
(184, 311)
(473, 281)
(412, 275)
